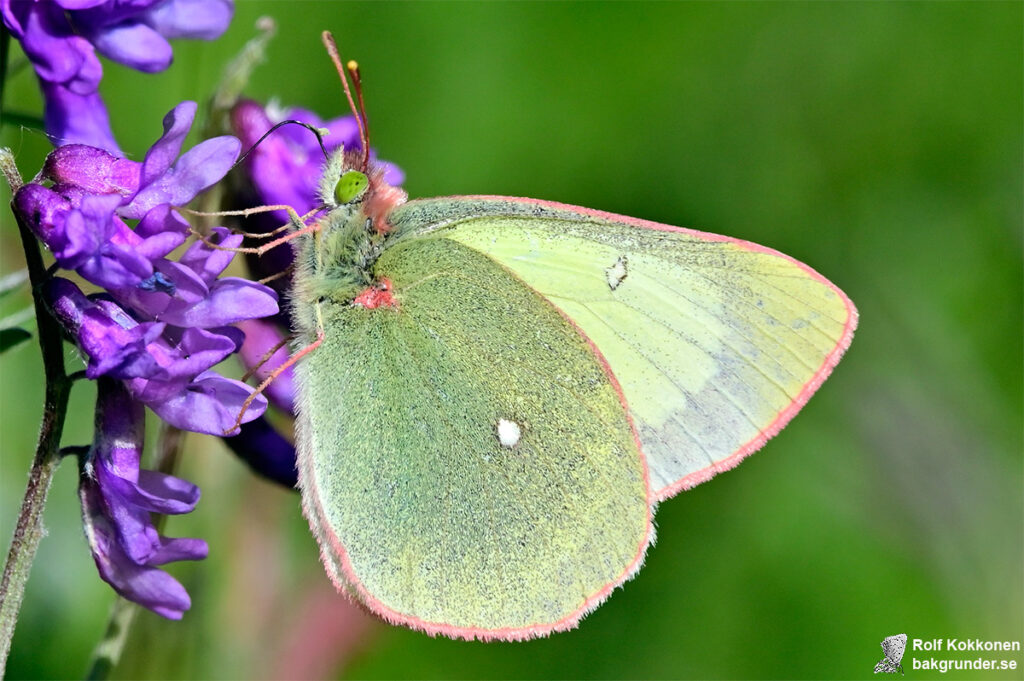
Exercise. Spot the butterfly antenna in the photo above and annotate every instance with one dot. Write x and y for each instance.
(357, 82)
(313, 129)
(332, 50)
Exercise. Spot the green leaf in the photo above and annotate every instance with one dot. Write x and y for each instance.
(10, 338)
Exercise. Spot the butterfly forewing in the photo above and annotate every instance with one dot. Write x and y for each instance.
(716, 342)
(466, 458)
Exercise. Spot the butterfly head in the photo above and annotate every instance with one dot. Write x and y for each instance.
(351, 178)
(346, 184)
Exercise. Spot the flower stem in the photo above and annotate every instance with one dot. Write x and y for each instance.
(29, 529)
(107, 653)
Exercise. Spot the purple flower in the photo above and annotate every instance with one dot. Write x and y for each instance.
(151, 337)
(165, 322)
(82, 218)
(166, 368)
(266, 451)
(117, 500)
(261, 336)
(61, 38)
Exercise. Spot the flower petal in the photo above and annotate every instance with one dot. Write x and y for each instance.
(285, 167)
(199, 168)
(211, 405)
(113, 467)
(261, 336)
(231, 299)
(79, 4)
(50, 43)
(202, 19)
(92, 170)
(161, 231)
(113, 349)
(116, 267)
(344, 131)
(181, 356)
(178, 289)
(179, 548)
(266, 451)
(154, 492)
(199, 350)
(44, 211)
(161, 155)
(73, 118)
(120, 429)
(209, 262)
(133, 44)
(86, 230)
(148, 586)
(162, 219)
(129, 522)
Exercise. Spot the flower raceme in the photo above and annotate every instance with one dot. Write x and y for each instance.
(151, 336)
(61, 39)
(117, 499)
(153, 333)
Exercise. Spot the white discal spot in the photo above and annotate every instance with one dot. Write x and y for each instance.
(509, 433)
(616, 273)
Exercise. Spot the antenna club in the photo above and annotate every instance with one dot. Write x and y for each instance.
(352, 65)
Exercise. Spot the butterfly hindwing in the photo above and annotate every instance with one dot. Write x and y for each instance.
(465, 456)
(716, 342)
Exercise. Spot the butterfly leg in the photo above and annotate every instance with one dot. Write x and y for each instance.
(273, 375)
(265, 358)
(295, 220)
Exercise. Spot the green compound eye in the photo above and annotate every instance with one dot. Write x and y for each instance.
(350, 186)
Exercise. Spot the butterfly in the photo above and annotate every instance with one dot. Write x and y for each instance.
(494, 393)
(893, 647)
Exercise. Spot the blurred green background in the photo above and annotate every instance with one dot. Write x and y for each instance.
(881, 143)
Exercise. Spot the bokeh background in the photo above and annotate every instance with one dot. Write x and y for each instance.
(879, 142)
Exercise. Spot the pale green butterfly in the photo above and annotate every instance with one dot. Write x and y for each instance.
(502, 389)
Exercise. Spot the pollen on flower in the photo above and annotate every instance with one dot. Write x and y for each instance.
(378, 295)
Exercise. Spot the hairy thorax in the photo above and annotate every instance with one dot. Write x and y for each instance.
(335, 263)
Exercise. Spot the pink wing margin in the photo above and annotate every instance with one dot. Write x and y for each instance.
(786, 414)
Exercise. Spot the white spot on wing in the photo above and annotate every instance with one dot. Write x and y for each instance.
(616, 273)
(509, 433)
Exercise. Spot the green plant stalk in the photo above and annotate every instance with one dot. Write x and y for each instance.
(29, 529)
(108, 651)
